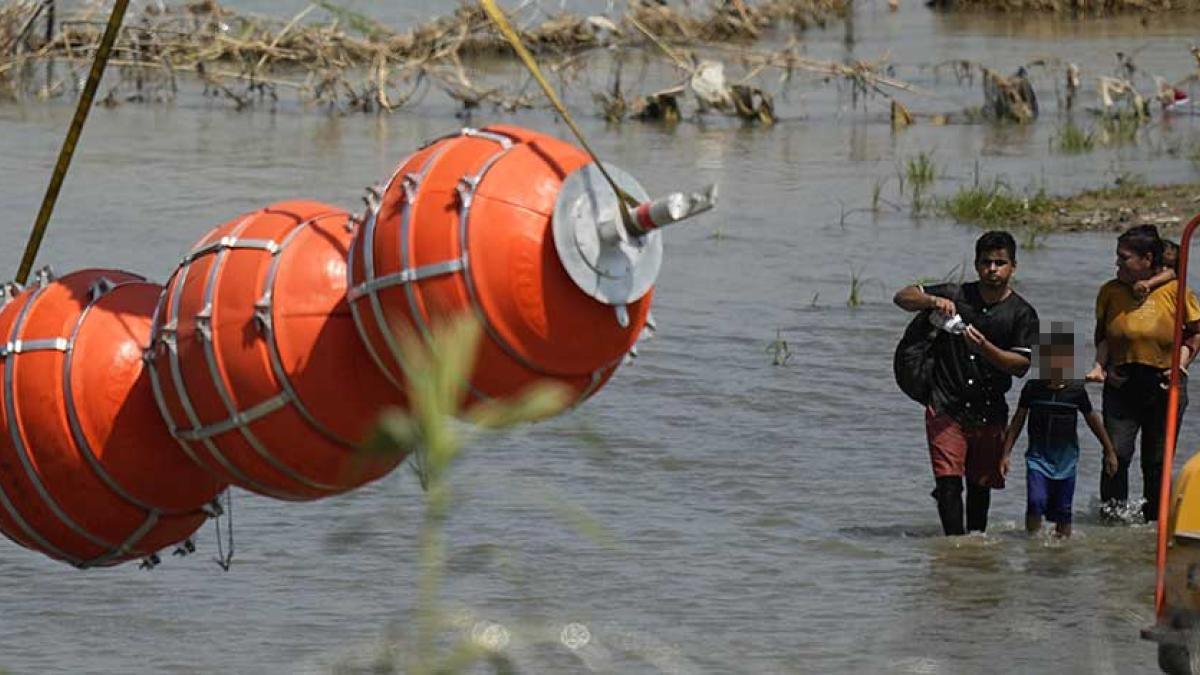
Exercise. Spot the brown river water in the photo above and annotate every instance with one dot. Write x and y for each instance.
(765, 519)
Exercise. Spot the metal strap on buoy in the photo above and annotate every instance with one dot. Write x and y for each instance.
(263, 311)
(239, 420)
(368, 254)
(73, 421)
(167, 337)
(64, 345)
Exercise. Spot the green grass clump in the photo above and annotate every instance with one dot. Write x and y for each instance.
(1073, 141)
(995, 205)
(1121, 130)
(920, 171)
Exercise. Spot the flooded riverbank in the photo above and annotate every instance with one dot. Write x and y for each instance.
(767, 519)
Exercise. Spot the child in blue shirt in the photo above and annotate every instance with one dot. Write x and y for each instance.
(1052, 406)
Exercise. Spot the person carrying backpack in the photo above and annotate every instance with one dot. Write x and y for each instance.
(967, 371)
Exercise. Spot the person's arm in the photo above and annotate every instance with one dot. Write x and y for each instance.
(1010, 438)
(1143, 288)
(1097, 373)
(1013, 363)
(1096, 424)
(1191, 343)
(914, 299)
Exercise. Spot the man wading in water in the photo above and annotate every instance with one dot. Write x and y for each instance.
(972, 369)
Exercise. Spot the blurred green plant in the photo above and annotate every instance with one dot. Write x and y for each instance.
(1073, 141)
(437, 375)
(920, 170)
(996, 204)
(778, 349)
(1120, 130)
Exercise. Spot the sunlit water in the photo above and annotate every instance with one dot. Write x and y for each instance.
(766, 519)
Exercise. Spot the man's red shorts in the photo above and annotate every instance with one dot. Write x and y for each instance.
(974, 453)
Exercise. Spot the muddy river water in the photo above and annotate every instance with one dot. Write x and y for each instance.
(765, 519)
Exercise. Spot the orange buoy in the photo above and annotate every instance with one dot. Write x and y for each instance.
(88, 471)
(258, 369)
(474, 223)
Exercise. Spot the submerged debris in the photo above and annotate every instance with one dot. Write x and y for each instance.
(1009, 98)
(349, 59)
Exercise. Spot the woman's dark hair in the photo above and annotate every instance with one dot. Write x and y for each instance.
(996, 239)
(1143, 239)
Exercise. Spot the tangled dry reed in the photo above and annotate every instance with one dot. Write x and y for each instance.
(330, 55)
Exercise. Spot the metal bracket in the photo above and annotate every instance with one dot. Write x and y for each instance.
(9, 292)
(203, 320)
(262, 314)
(599, 255)
(45, 276)
(99, 288)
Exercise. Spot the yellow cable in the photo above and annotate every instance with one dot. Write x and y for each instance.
(72, 140)
(497, 16)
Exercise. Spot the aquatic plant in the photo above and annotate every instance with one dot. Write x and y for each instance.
(876, 192)
(1120, 130)
(856, 284)
(436, 375)
(920, 170)
(995, 205)
(778, 349)
(1072, 140)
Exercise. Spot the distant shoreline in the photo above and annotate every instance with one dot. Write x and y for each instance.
(1076, 8)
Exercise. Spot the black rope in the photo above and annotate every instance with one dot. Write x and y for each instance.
(225, 558)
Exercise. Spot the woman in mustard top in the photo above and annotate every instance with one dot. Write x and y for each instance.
(1134, 336)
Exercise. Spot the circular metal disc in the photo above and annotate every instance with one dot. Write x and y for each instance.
(617, 271)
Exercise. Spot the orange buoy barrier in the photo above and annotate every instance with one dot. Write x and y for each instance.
(464, 225)
(88, 471)
(267, 358)
(257, 365)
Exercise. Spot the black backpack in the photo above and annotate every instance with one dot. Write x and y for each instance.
(913, 362)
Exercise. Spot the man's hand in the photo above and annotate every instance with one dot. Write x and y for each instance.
(976, 340)
(1110, 463)
(1005, 465)
(943, 305)
(1096, 374)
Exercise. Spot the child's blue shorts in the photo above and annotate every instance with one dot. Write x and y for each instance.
(1049, 497)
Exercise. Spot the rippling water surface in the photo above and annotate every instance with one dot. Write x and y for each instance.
(767, 519)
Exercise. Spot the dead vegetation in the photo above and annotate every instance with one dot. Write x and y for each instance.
(1068, 7)
(331, 55)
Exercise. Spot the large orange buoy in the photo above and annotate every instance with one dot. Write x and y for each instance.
(257, 365)
(88, 472)
(504, 223)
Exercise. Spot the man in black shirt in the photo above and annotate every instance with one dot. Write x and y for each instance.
(966, 414)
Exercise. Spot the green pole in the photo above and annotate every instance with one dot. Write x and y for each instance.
(68, 147)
